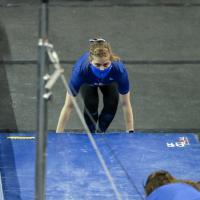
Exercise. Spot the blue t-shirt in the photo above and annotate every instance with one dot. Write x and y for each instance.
(82, 74)
(175, 191)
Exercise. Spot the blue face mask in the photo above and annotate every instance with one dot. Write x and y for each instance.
(100, 73)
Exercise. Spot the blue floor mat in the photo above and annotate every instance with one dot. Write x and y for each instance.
(74, 173)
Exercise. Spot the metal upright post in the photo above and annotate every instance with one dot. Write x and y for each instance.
(43, 68)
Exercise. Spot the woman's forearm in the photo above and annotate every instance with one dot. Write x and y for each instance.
(64, 116)
(128, 111)
(128, 116)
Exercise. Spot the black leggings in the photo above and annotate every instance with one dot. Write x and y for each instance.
(91, 101)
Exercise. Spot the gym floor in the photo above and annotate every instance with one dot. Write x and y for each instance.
(74, 172)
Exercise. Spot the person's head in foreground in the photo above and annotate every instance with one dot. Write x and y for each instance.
(163, 178)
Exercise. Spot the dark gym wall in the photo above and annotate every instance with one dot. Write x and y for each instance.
(7, 117)
(158, 41)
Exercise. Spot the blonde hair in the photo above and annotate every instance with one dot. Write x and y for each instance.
(161, 178)
(102, 49)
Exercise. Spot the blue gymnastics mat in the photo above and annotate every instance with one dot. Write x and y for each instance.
(74, 173)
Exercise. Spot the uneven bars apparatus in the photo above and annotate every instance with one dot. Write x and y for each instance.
(43, 68)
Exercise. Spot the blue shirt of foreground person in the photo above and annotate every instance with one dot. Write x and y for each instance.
(161, 185)
(175, 191)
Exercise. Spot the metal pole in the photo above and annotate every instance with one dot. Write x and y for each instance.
(40, 167)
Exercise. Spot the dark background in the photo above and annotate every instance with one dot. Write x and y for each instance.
(158, 41)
